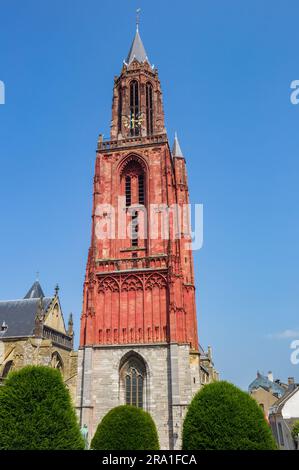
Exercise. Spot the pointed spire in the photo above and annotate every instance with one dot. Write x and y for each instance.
(137, 50)
(176, 149)
(70, 330)
(35, 291)
(137, 18)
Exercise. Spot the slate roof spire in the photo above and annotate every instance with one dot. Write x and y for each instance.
(137, 50)
(176, 149)
(35, 291)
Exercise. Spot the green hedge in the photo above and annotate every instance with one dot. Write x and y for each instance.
(126, 428)
(222, 417)
(36, 412)
(295, 429)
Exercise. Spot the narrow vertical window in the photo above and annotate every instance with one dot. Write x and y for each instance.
(280, 434)
(141, 188)
(128, 389)
(128, 191)
(134, 387)
(140, 392)
(134, 226)
(149, 108)
(134, 108)
(120, 105)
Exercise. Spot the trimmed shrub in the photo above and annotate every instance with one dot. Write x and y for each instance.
(223, 417)
(126, 428)
(295, 430)
(36, 412)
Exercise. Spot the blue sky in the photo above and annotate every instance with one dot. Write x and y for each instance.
(226, 68)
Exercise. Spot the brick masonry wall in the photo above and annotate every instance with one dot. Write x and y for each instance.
(168, 372)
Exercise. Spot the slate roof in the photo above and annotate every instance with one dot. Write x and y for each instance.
(137, 50)
(19, 316)
(262, 381)
(35, 291)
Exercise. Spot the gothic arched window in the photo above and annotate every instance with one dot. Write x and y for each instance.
(149, 108)
(133, 187)
(133, 376)
(134, 108)
(56, 361)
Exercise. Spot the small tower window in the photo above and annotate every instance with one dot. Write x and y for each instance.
(134, 226)
(149, 108)
(128, 191)
(134, 108)
(120, 105)
(141, 188)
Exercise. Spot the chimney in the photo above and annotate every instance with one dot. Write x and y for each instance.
(270, 376)
(291, 380)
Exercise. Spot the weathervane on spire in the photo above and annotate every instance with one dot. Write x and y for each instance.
(137, 18)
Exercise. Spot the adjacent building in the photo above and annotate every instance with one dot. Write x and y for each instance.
(266, 391)
(283, 415)
(33, 332)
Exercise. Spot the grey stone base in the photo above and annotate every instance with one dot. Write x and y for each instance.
(172, 377)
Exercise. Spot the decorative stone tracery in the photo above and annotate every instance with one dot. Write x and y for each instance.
(132, 283)
(108, 283)
(155, 280)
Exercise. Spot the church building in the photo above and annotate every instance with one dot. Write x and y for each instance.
(139, 341)
(33, 332)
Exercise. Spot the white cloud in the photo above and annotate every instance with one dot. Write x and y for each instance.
(286, 334)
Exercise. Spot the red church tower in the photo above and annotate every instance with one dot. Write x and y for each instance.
(138, 342)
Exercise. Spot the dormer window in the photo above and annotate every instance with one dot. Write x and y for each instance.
(3, 328)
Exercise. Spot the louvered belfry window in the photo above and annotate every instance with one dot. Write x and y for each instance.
(134, 108)
(141, 188)
(133, 184)
(120, 106)
(128, 191)
(149, 109)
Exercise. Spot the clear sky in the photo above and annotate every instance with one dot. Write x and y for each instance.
(226, 68)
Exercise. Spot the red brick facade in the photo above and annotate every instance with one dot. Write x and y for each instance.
(138, 291)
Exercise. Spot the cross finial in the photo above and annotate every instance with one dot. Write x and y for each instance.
(137, 18)
(56, 290)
